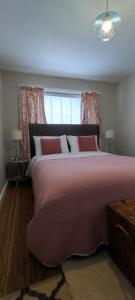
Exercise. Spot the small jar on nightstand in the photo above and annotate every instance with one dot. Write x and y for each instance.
(16, 170)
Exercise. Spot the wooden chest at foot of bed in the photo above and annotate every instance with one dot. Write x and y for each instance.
(121, 219)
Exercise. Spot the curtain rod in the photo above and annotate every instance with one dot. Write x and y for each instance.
(74, 92)
(68, 91)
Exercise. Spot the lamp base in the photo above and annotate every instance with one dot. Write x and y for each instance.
(109, 145)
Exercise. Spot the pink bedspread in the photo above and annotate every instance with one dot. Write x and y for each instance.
(71, 199)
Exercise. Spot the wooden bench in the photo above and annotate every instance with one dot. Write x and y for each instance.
(121, 219)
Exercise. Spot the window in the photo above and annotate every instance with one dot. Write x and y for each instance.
(62, 108)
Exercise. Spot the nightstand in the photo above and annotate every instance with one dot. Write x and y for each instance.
(122, 236)
(16, 170)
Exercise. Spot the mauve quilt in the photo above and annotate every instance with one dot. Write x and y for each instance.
(71, 197)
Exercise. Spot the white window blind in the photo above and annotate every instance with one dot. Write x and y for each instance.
(62, 109)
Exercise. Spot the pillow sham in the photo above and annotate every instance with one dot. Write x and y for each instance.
(37, 143)
(50, 146)
(82, 143)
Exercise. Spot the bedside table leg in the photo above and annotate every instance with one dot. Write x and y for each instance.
(16, 184)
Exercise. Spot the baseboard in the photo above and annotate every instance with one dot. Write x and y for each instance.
(3, 192)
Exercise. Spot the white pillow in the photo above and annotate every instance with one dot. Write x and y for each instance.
(63, 141)
(74, 145)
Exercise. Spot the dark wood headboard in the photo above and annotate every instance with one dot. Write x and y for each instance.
(60, 129)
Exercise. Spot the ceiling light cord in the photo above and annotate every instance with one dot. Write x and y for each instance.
(107, 5)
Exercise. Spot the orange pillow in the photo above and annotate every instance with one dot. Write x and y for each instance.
(50, 146)
(87, 143)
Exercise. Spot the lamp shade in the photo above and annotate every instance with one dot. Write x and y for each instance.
(109, 134)
(16, 134)
(106, 25)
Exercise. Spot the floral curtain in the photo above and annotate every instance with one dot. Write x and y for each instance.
(90, 108)
(31, 110)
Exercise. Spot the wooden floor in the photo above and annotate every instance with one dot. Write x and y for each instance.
(18, 268)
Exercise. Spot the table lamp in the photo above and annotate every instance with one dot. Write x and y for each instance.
(16, 137)
(109, 134)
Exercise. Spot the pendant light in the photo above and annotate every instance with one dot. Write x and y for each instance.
(106, 24)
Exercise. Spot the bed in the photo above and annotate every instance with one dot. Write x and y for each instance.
(71, 195)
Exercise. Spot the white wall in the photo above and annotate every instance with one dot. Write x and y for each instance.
(12, 80)
(2, 157)
(125, 116)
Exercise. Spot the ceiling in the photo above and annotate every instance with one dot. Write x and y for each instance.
(55, 37)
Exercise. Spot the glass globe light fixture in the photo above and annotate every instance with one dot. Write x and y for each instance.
(106, 24)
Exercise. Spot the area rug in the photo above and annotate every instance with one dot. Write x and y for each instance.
(54, 288)
(96, 278)
(91, 278)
